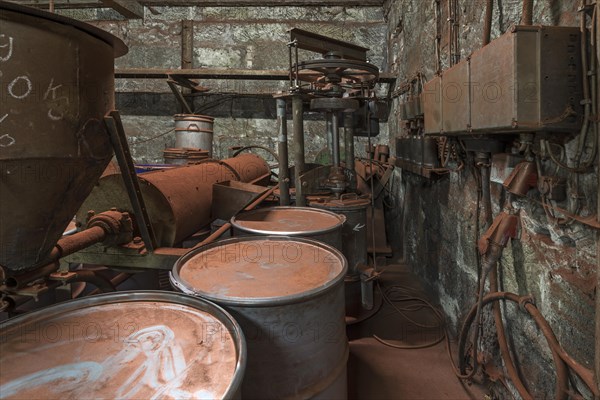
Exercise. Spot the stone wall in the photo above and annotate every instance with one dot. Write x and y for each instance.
(224, 37)
(433, 223)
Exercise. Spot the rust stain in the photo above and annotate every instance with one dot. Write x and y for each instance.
(126, 350)
(260, 269)
(284, 220)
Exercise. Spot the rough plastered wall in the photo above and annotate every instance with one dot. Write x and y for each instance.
(224, 37)
(433, 225)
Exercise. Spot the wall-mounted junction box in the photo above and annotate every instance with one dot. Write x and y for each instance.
(527, 80)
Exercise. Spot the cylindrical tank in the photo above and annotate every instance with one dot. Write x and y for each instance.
(194, 131)
(288, 296)
(57, 84)
(354, 230)
(354, 248)
(143, 344)
(178, 200)
(321, 225)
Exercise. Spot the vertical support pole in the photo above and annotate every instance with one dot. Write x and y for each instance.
(187, 52)
(335, 138)
(349, 140)
(298, 127)
(329, 126)
(282, 150)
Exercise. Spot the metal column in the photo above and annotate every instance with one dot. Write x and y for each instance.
(349, 140)
(298, 127)
(335, 127)
(282, 149)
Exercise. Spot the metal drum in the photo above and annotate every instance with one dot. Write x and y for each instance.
(288, 296)
(194, 131)
(354, 231)
(126, 345)
(321, 225)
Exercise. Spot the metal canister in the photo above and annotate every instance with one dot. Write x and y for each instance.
(288, 296)
(143, 344)
(307, 222)
(194, 131)
(354, 231)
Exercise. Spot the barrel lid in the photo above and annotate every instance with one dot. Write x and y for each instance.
(259, 271)
(193, 117)
(290, 221)
(119, 47)
(127, 345)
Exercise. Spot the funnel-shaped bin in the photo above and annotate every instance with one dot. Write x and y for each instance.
(57, 83)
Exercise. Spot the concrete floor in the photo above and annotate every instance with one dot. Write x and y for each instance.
(377, 371)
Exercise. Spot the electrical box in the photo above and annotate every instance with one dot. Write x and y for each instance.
(527, 80)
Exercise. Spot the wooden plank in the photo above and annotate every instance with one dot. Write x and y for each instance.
(219, 73)
(128, 8)
(73, 4)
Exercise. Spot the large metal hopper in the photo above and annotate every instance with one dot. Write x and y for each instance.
(56, 84)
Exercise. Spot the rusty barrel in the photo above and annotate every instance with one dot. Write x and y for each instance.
(287, 294)
(194, 131)
(312, 223)
(143, 344)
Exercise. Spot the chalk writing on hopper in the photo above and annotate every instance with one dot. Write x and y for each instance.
(51, 94)
(8, 45)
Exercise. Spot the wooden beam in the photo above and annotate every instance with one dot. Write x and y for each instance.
(219, 73)
(128, 8)
(72, 4)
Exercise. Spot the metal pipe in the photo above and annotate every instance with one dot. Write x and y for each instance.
(349, 140)
(78, 241)
(527, 15)
(103, 284)
(329, 125)
(116, 281)
(282, 150)
(21, 280)
(298, 127)
(335, 139)
(487, 27)
(483, 162)
(509, 364)
(225, 227)
(558, 354)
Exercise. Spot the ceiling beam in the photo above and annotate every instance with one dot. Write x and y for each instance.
(72, 4)
(128, 8)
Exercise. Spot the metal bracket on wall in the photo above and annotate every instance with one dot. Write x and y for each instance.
(121, 148)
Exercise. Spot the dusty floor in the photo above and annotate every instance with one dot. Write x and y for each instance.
(377, 371)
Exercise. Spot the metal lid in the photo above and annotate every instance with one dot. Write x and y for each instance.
(119, 47)
(193, 117)
(258, 271)
(289, 221)
(140, 344)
